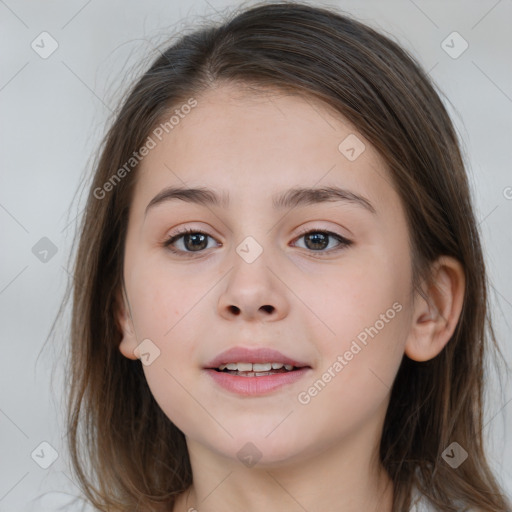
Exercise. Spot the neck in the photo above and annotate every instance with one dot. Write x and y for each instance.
(348, 474)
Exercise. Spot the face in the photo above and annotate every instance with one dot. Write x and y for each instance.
(324, 283)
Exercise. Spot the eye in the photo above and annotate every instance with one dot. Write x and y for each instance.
(317, 240)
(192, 241)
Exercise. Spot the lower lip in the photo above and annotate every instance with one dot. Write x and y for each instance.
(252, 386)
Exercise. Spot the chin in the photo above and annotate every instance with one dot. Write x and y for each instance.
(253, 449)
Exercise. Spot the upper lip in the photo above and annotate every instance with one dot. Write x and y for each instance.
(258, 355)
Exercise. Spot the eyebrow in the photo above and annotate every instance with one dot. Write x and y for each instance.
(292, 198)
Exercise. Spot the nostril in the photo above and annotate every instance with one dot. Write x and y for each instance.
(235, 310)
(268, 309)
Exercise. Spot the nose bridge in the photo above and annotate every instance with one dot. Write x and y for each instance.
(252, 233)
(253, 291)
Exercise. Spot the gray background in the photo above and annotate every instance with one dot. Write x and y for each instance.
(53, 114)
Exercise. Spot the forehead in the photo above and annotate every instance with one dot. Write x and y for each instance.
(251, 144)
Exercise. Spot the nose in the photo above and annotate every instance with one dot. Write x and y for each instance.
(253, 292)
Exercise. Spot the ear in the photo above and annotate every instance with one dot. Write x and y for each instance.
(128, 345)
(433, 323)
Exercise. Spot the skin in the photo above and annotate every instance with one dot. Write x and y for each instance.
(314, 454)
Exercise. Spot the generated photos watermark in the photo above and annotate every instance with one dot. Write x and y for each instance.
(305, 397)
(151, 142)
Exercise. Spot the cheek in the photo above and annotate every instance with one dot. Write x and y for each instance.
(167, 310)
(356, 374)
(173, 394)
(354, 295)
(365, 323)
(164, 301)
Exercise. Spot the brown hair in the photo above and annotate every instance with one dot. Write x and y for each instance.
(125, 452)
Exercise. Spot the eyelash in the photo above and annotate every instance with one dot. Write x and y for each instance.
(343, 242)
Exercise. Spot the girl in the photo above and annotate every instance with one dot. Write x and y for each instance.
(281, 299)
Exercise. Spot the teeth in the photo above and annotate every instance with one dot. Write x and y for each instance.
(261, 367)
(255, 367)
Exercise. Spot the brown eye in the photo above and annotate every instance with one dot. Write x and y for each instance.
(195, 241)
(318, 240)
(189, 241)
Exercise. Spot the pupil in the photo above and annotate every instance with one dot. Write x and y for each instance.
(202, 241)
(316, 236)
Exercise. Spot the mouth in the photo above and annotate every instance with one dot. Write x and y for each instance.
(255, 371)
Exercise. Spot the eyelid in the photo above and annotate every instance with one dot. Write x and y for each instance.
(318, 229)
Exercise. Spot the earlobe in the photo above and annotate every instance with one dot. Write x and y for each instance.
(434, 321)
(129, 342)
